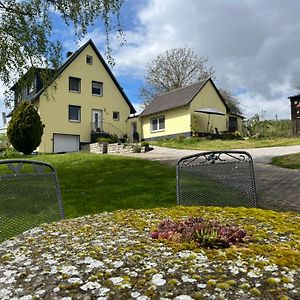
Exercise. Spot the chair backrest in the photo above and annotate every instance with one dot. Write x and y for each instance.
(29, 196)
(217, 178)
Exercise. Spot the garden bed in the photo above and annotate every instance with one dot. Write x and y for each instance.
(112, 256)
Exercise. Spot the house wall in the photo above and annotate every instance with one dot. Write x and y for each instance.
(177, 122)
(208, 97)
(54, 109)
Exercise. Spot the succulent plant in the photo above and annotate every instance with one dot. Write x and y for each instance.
(205, 233)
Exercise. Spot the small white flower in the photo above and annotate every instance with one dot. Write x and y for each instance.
(116, 280)
(90, 286)
(56, 290)
(201, 285)
(157, 279)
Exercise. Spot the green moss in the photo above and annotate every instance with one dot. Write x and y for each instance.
(198, 296)
(211, 282)
(151, 271)
(272, 281)
(255, 292)
(173, 281)
(245, 286)
(223, 286)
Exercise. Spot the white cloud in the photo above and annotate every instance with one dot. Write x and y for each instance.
(253, 45)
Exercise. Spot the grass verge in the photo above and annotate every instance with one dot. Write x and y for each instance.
(205, 144)
(291, 161)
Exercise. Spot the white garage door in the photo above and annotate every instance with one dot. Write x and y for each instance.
(65, 143)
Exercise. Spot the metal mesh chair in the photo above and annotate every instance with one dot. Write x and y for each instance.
(29, 196)
(217, 178)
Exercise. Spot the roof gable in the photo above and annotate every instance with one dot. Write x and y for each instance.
(177, 98)
(73, 57)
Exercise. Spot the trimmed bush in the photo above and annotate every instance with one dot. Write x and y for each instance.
(25, 128)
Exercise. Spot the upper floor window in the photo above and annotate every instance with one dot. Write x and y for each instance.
(89, 59)
(116, 115)
(30, 87)
(74, 113)
(158, 124)
(74, 84)
(97, 88)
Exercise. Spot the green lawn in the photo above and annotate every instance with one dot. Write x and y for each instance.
(206, 144)
(92, 183)
(291, 161)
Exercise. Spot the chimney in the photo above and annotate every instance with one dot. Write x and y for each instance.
(69, 53)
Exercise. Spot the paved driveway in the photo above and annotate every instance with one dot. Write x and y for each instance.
(277, 188)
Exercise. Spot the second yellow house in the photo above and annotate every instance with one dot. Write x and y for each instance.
(195, 109)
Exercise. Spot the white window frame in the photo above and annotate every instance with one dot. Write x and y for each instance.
(158, 124)
(101, 88)
(79, 113)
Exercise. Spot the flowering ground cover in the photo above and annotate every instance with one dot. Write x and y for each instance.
(112, 256)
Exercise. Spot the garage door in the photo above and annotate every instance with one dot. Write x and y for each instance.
(65, 143)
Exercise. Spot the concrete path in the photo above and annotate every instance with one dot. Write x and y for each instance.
(277, 188)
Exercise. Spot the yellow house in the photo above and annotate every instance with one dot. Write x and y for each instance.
(86, 101)
(195, 109)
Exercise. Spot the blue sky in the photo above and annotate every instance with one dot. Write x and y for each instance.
(252, 44)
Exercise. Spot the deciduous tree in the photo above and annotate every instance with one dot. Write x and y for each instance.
(173, 69)
(177, 68)
(26, 31)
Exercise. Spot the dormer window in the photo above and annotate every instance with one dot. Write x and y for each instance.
(30, 87)
(89, 59)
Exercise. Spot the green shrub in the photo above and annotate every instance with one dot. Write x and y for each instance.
(10, 153)
(109, 138)
(137, 148)
(145, 144)
(4, 142)
(25, 128)
(104, 140)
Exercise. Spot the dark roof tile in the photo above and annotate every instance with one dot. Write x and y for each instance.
(173, 99)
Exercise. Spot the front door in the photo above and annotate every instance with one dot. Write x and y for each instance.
(97, 120)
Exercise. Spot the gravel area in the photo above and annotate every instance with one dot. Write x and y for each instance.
(112, 256)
